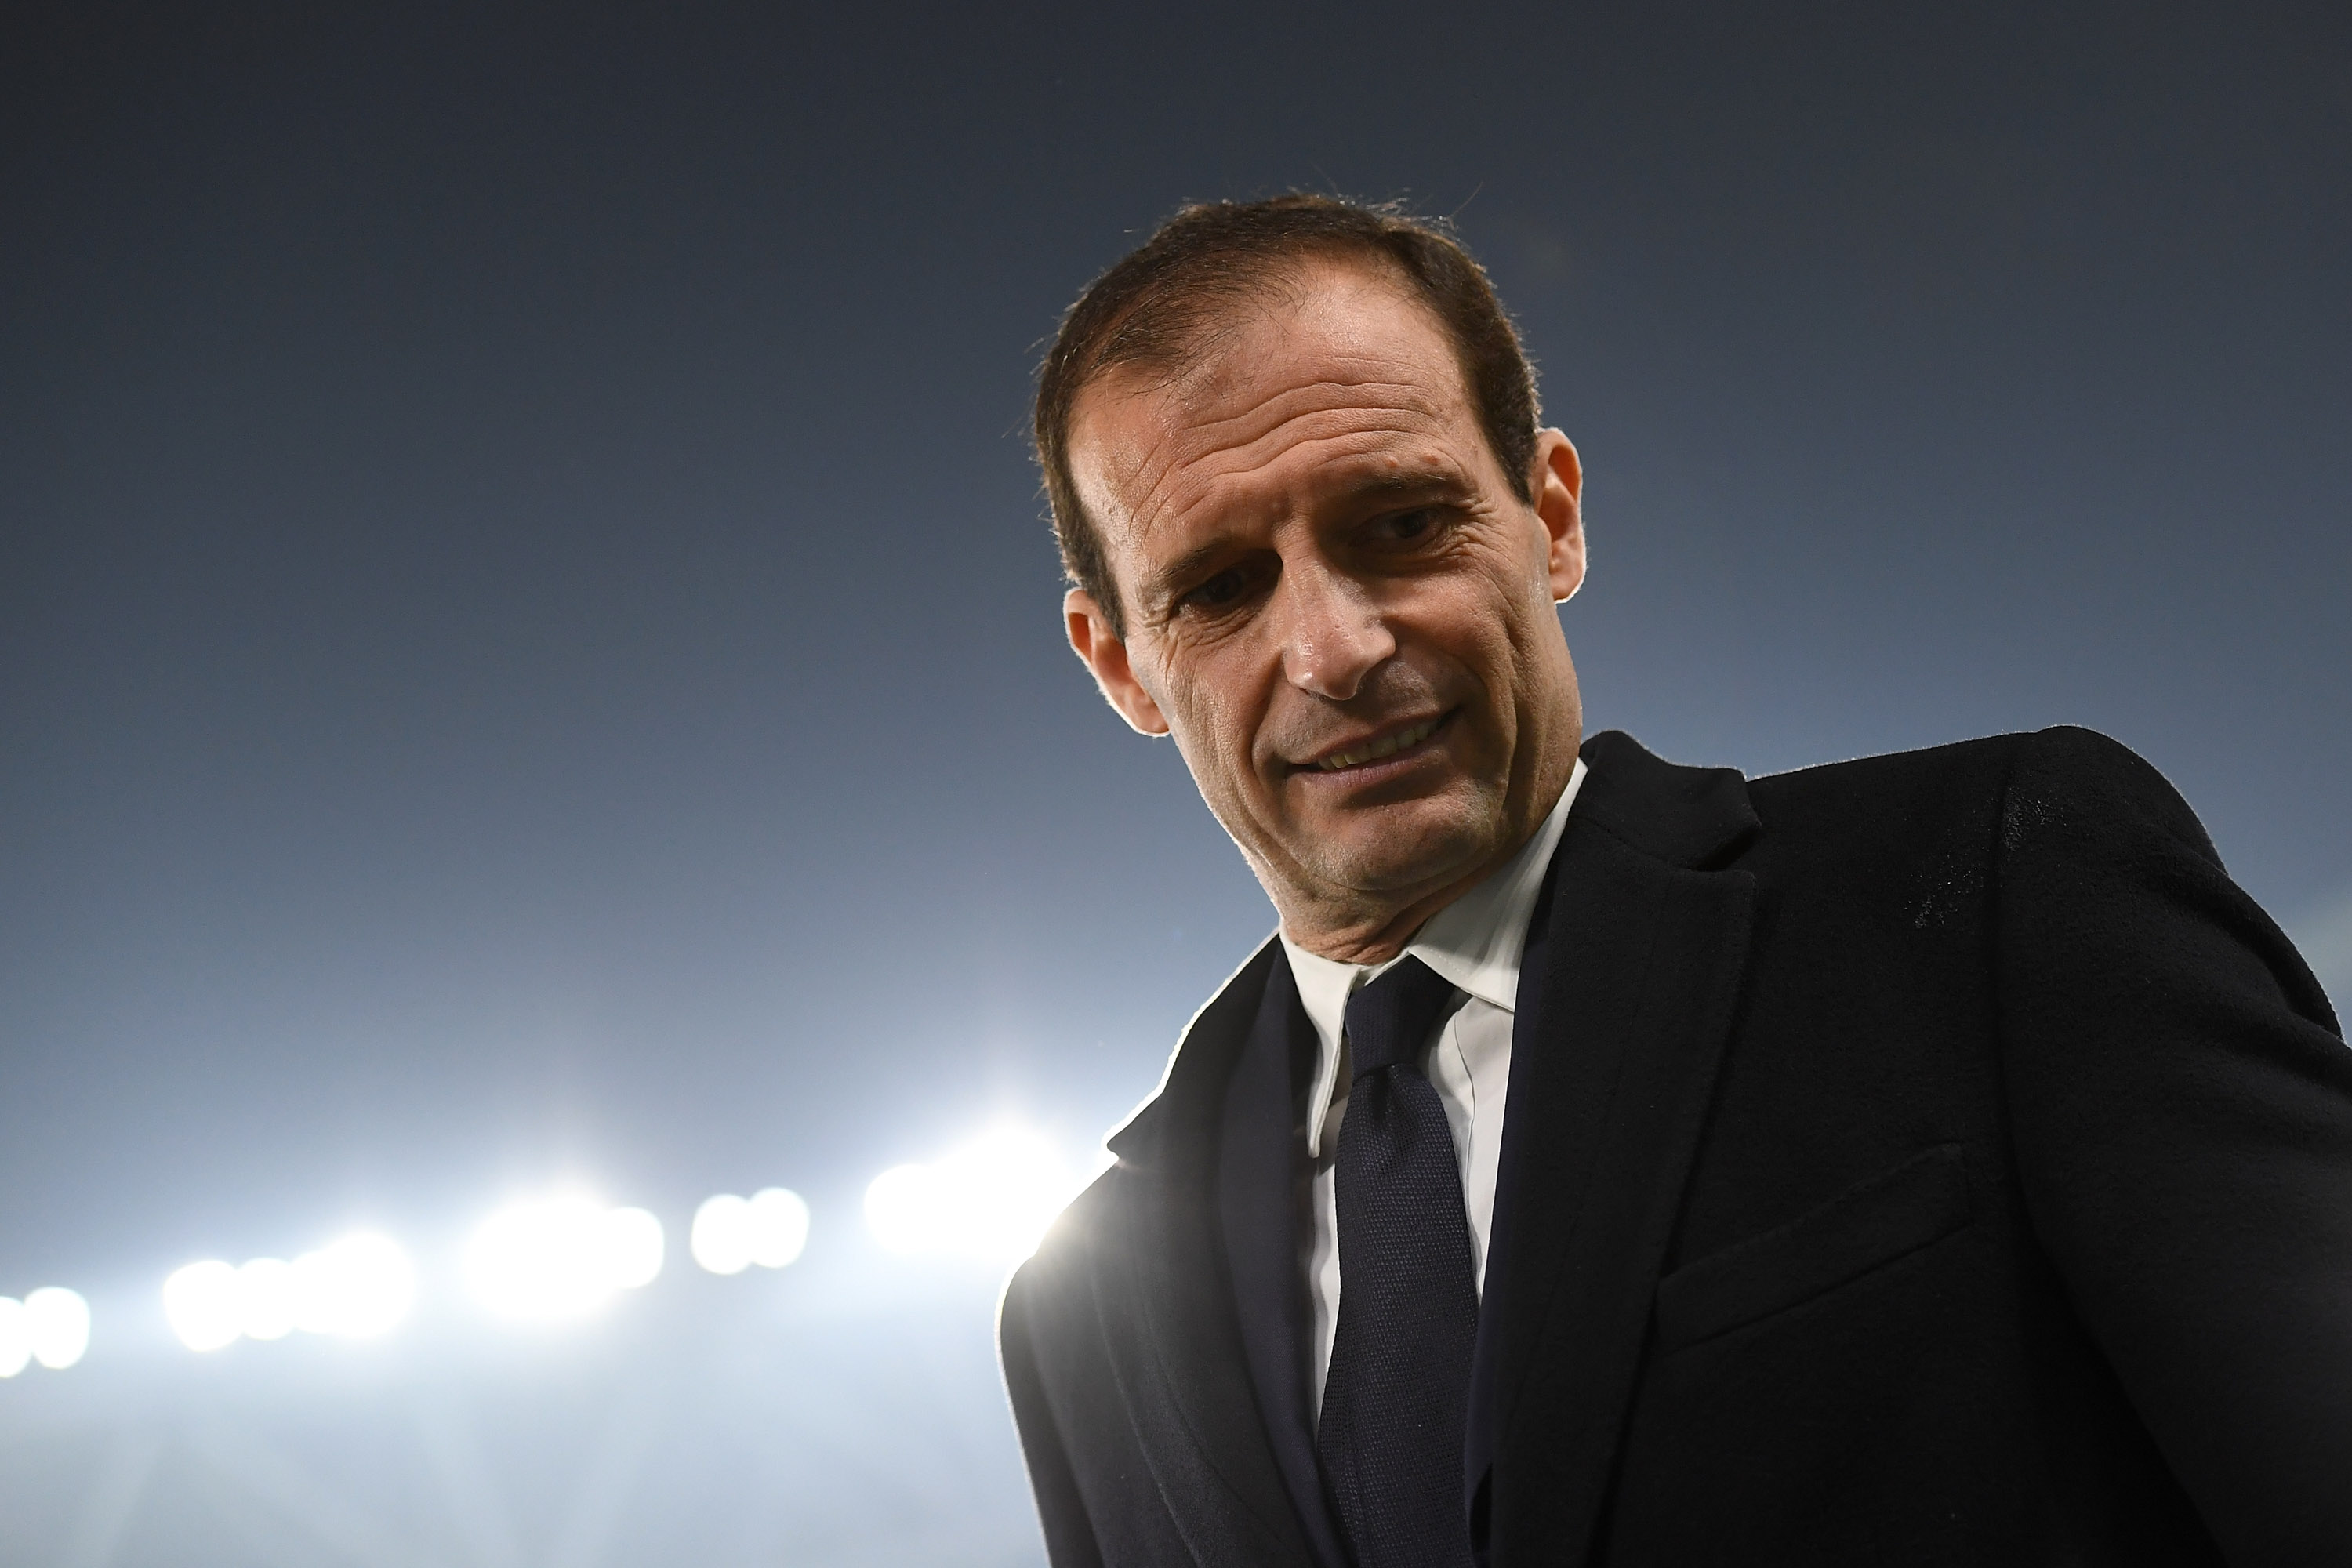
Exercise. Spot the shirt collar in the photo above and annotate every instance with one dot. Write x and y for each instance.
(1475, 943)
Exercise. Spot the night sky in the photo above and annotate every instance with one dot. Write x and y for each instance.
(530, 646)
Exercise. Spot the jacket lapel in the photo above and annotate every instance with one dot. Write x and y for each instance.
(1185, 1376)
(1262, 1188)
(1620, 1025)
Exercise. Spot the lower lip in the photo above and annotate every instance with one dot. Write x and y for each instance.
(1382, 768)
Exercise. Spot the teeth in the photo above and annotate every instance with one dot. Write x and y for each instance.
(1378, 749)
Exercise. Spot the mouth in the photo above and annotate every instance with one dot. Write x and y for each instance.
(1378, 749)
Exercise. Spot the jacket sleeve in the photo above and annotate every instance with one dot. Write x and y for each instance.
(1069, 1537)
(2180, 1104)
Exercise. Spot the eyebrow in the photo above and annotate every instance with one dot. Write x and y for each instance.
(1412, 482)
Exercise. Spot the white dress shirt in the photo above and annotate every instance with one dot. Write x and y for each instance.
(1475, 943)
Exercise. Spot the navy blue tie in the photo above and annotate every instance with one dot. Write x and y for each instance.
(1397, 1393)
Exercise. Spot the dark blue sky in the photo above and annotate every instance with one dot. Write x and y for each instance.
(528, 645)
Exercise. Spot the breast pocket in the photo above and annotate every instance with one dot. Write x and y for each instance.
(1868, 1225)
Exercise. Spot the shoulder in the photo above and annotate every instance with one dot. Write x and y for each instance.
(1909, 817)
(2062, 749)
(2071, 784)
(1052, 1288)
(1961, 765)
(1937, 829)
(1159, 1141)
(2023, 778)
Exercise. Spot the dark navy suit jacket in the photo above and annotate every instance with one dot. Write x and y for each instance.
(1928, 1159)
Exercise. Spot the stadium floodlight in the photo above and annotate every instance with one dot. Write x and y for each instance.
(561, 1258)
(633, 1247)
(15, 1337)
(721, 1238)
(904, 1207)
(992, 1199)
(266, 1304)
(780, 1226)
(357, 1287)
(57, 1326)
(205, 1304)
(769, 1228)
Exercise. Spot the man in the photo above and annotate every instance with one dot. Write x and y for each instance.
(1928, 1159)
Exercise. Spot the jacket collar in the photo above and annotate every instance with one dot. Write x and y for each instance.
(1182, 1109)
(1692, 817)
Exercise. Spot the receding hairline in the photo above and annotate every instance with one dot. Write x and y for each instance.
(1214, 317)
(1209, 343)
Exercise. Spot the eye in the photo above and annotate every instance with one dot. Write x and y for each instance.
(1408, 526)
(1218, 592)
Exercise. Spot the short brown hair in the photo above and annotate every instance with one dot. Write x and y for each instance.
(1154, 307)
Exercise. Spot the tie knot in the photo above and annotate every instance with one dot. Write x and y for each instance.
(1389, 1020)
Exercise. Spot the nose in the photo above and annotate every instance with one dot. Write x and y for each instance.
(1333, 636)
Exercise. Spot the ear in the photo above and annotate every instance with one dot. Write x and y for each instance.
(1103, 653)
(1558, 487)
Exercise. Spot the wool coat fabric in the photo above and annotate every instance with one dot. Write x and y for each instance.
(1928, 1159)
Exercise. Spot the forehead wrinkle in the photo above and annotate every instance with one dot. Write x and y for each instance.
(1251, 436)
(1318, 455)
(1238, 376)
(1114, 459)
(1252, 429)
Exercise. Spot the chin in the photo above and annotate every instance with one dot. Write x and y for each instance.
(1406, 848)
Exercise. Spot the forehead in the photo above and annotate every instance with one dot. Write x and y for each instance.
(1320, 381)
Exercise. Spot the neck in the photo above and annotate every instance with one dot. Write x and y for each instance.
(1352, 929)
(1376, 935)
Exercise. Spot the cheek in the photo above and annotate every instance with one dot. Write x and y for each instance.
(1475, 629)
(1485, 653)
(1216, 716)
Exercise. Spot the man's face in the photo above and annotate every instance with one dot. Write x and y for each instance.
(1334, 601)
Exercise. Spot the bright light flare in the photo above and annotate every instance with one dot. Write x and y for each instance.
(266, 1308)
(994, 1199)
(57, 1327)
(633, 1242)
(51, 1326)
(561, 1258)
(721, 1238)
(730, 1233)
(205, 1304)
(780, 1226)
(357, 1287)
